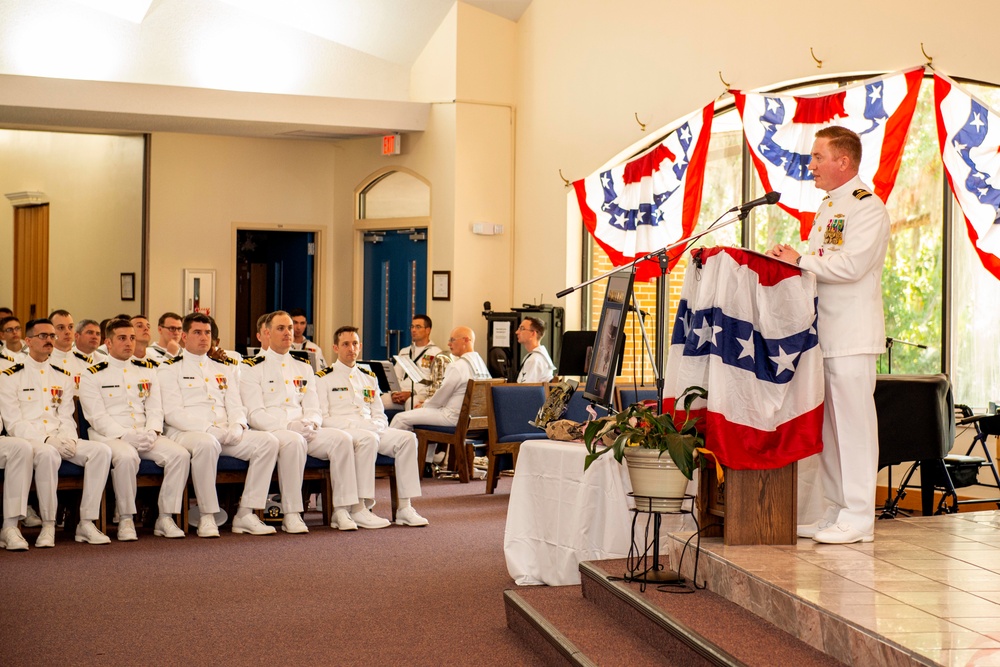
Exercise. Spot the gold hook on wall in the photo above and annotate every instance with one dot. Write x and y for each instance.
(641, 124)
(564, 179)
(930, 59)
(724, 82)
(819, 63)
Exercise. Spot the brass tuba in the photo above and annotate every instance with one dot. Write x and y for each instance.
(438, 367)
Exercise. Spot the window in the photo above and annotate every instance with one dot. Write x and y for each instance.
(913, 279)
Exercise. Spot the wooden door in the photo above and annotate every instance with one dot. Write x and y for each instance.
(31, 262)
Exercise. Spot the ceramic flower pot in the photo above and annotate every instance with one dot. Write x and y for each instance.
(657, 483)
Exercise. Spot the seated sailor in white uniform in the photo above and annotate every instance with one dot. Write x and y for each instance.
(537, 365)
(349, 399)
(121, 401)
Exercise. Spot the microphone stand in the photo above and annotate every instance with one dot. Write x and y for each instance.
(889, 341)
(661, 292)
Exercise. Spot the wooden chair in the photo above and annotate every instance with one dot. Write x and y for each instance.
(385, 466)
(472, 428)
(511, 407)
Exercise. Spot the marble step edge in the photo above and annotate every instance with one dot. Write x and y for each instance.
(592, 573)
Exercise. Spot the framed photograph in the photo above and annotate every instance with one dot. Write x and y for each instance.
(199, 291)
(609, 342)
(441, 285)
(128, 287)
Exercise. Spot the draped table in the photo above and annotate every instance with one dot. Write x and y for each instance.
(558, 515)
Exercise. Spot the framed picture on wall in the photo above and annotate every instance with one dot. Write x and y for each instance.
(441, 285)
(199, 291)
(128, 287)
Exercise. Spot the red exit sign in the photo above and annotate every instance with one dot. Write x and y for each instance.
(390, 144)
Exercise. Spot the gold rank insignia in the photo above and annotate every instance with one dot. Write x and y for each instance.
(253, 361)
(366, 371)
(324, 372)
(61, 370)
(172, 361)
(83, 357)
(13, 369)
(301, 355)
(97, 368)
(861, 193)
(144, 363)
(834, 234)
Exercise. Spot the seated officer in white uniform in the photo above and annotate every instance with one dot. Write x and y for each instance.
(299, 340)
(16, 462)
(121, 400)
(279, 393)
(443, 408)
(36, 401)
(63, 354)
(421, 352)
(14, 348)
(537, 366)
(349, 399)
(169, 343)
(204, 414)
(87, 339)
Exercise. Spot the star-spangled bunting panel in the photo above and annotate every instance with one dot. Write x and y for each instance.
(652, 200)
(780, 129)
(746, 331)
(969, 136)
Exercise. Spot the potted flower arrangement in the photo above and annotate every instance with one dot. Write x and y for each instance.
(640, 435)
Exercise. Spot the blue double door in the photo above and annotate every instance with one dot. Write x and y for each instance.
(395, 289)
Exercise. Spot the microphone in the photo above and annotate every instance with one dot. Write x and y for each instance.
(770, 198)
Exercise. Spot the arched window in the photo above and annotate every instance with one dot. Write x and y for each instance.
(394, 194)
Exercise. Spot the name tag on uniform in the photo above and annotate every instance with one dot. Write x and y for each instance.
(188, 377)
(338, 388)
(28, 389)
(110, 386)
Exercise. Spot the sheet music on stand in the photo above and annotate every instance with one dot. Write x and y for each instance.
(384, 372)
(414, 372)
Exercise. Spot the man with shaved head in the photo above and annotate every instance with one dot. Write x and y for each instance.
(443, 408)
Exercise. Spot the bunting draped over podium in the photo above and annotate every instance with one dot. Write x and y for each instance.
(746, 331)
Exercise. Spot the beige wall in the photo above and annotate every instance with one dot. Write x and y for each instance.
(94, 187)
(201, 188)
(587, 67)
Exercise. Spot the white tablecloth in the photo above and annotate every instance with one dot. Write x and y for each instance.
(558, 516)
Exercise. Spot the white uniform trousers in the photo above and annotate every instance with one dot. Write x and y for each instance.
(259, 448)
(176, 464)
(94, 457)
(16, 459)
(336, 446)
(399, 444)
(849, 460)
(407, 420)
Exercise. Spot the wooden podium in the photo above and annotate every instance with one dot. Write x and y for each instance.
(752, 507)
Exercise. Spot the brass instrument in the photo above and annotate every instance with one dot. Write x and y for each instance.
(555, 404)
(438, 367)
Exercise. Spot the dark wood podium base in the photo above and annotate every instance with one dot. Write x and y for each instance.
(754, 507)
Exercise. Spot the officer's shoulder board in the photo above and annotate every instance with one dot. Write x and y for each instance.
(3, 355)
(861, 193)
(300, 355)
(172, 360)
(228, 361)
(13, 369)
(144, 363)
(97, 368)
(325, 371)
(61, 370)
(367, 371)
(253, 361)
(83, 357)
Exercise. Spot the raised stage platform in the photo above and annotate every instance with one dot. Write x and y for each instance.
(926, 592)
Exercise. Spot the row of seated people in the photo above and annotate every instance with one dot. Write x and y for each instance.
(271, 411)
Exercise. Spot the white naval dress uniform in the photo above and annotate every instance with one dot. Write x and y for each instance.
(74, 361)
(422, 357)
(159, 354)
(349, 400)
(537, 366)
(847, 248)
(443, 408)
(36, 400)
(203, 412)
(121, 399)
(16, 459)
(279, 390)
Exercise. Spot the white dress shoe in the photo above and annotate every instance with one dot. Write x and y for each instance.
(31, 518)
(47, 536)
(810, 529)
(207, 527)
(342, 521)
(126, 530)
(365, 519)
(409, 517)
(165, 527)
(251, 525)
(842, 533)
(87, 532)
(293, 524)
(12, 540)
